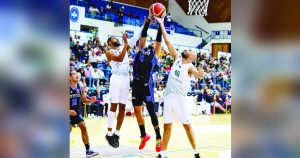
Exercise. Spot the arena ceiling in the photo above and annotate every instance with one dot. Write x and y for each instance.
(218, 10)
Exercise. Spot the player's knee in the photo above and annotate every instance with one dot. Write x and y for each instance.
(82, 127)
(187, 127)
(167, 127)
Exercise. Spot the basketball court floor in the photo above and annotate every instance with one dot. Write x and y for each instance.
(213, 133)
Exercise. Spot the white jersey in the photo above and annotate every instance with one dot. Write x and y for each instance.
(179, 81)
(120, 68)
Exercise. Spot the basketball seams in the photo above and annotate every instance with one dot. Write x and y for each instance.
(153, 10)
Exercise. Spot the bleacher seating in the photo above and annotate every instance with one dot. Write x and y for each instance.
(136, 20)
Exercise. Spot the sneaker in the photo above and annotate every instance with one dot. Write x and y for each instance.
(158, 145)
(116, 139)
(111, 141)
(91, 153)
(144, 141)
(159, 156)
(197, 155)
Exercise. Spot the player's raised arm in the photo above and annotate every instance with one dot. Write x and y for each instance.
(173, 52)
(158, 42)
(118, 58)
(199, 74)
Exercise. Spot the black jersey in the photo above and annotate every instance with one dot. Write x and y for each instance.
(75, 97)
(144, 63)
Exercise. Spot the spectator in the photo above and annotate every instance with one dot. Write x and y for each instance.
(93, 59)
(94, 10)
(76, 50)
(169, 19)
(95, 76)
(160, 93)
(106, 103)
(102, 78)
(71, 42)
(82, 74)
(88, 74)
(97, 107)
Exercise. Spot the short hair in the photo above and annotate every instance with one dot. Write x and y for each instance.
(184, 54)
(109, 39)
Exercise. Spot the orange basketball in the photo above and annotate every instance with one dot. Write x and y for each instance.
(157, 9)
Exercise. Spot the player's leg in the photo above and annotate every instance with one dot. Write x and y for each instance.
(183, 113)
(154, 120)
(84, 134)
(120, 117)
(166, 138)
(137, 102)
(111, 115)
(70, 128)
(191, 136)
(168, 120)
(85, 139)
(123, 98)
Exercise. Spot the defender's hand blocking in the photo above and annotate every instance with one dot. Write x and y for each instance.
(124, 37)
(159, 20)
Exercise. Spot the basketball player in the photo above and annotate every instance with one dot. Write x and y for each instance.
(142, 90)
(178, 85)
(119, 83)
(77, 93)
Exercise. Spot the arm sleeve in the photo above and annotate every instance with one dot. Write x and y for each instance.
(135, 37)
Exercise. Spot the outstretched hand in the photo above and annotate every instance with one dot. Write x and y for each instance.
(124, 37)
(159, 20)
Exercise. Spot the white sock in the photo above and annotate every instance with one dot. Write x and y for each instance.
(163, 154)
(110, 133)
(196, 151)
(135, 37)
(110, 118)
(117, 132)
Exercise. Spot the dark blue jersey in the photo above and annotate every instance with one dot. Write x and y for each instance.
(75, 97)
(144, 63)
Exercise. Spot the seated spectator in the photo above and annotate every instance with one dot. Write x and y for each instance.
(102, 78)
(95, 76)
(169, 19)
(82, 74)
(88, 74)
(93, 58)
(209, 98)
(94, 10)
(97, 106)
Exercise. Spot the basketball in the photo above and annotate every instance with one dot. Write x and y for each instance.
(157, 9)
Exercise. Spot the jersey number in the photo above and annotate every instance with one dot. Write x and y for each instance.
(142, 57)
(177, 73)
(74, 102)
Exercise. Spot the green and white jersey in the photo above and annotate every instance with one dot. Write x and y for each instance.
(120, 68)
(179, 81)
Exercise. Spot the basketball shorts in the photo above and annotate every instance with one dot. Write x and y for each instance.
(119, 89)
(141, 92)
(76, 119)
(176, 109)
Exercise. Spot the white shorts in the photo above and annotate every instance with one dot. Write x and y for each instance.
(176, 109)
(119, 89)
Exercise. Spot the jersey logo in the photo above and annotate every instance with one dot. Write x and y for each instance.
(141, 58)
(177, 73)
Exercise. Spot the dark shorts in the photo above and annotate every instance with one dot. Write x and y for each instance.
(76, 119)
(141, 92)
